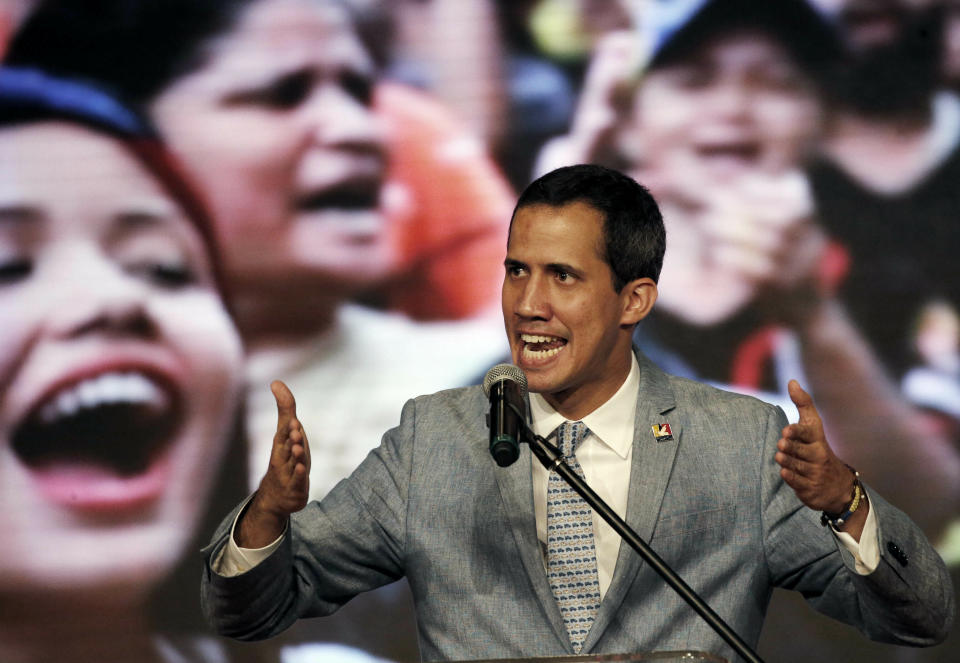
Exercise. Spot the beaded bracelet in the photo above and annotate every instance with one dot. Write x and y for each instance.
(858, 498)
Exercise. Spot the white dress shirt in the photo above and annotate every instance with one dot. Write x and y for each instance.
(604, 456)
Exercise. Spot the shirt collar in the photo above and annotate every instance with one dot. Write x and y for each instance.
(611, 423)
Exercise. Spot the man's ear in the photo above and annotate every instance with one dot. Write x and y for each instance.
(638, 297)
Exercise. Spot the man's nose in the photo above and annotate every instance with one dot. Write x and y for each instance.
(533, 300)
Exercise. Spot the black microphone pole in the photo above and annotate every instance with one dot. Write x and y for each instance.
(552, 459)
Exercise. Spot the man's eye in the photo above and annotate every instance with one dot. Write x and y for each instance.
(563, 276)
(17, 269)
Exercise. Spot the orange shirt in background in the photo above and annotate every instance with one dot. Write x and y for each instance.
(448, 209)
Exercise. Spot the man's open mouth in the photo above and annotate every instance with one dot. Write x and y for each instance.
(537, 346)
(117, 422)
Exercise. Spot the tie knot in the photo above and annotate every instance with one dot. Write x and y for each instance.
(569, 436)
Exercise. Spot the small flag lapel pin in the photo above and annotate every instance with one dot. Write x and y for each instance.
(661, 432)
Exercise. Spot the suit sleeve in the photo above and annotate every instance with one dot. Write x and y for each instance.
(350, 542)
(907, 600)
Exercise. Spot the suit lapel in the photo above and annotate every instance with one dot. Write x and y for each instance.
(650, 469)
(516, 489)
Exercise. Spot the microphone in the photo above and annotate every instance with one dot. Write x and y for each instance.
(506, 386)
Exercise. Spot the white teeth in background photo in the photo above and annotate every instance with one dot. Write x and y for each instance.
(106, 389)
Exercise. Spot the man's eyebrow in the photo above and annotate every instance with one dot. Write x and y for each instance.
(510, 262)
(562, 267)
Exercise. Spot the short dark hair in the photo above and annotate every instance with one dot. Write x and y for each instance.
(634, 239)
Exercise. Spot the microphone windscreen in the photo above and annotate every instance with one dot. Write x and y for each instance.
(502, 372)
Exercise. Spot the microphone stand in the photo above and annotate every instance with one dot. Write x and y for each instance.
(552, 459)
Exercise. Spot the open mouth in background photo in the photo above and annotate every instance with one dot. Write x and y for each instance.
(99, 442)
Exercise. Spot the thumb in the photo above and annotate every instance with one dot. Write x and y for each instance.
(286, 405)
(804, 403)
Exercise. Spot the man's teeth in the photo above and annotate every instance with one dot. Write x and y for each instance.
(540, 354)
(532, 338)
(529, 340)
(106, 389)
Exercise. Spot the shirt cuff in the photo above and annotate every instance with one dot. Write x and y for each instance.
(866, 553)
(232, 560)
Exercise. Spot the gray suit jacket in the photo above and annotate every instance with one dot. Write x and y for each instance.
(429, 503)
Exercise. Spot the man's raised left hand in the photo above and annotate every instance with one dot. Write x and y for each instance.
(807, 463)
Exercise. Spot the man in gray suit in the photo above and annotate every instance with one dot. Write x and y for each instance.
(728, 494)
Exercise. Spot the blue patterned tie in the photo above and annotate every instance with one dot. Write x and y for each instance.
(571, 556)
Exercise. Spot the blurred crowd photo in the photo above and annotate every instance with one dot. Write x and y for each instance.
(200, 196)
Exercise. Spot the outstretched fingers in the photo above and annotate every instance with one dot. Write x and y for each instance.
(285, 487)
(809, 417)
(802, 447)
(286, 405)
(289, 435)
(807, 463)
(298, 463)
(286, 484)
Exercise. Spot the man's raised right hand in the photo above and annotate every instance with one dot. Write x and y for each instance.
(285, 487)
